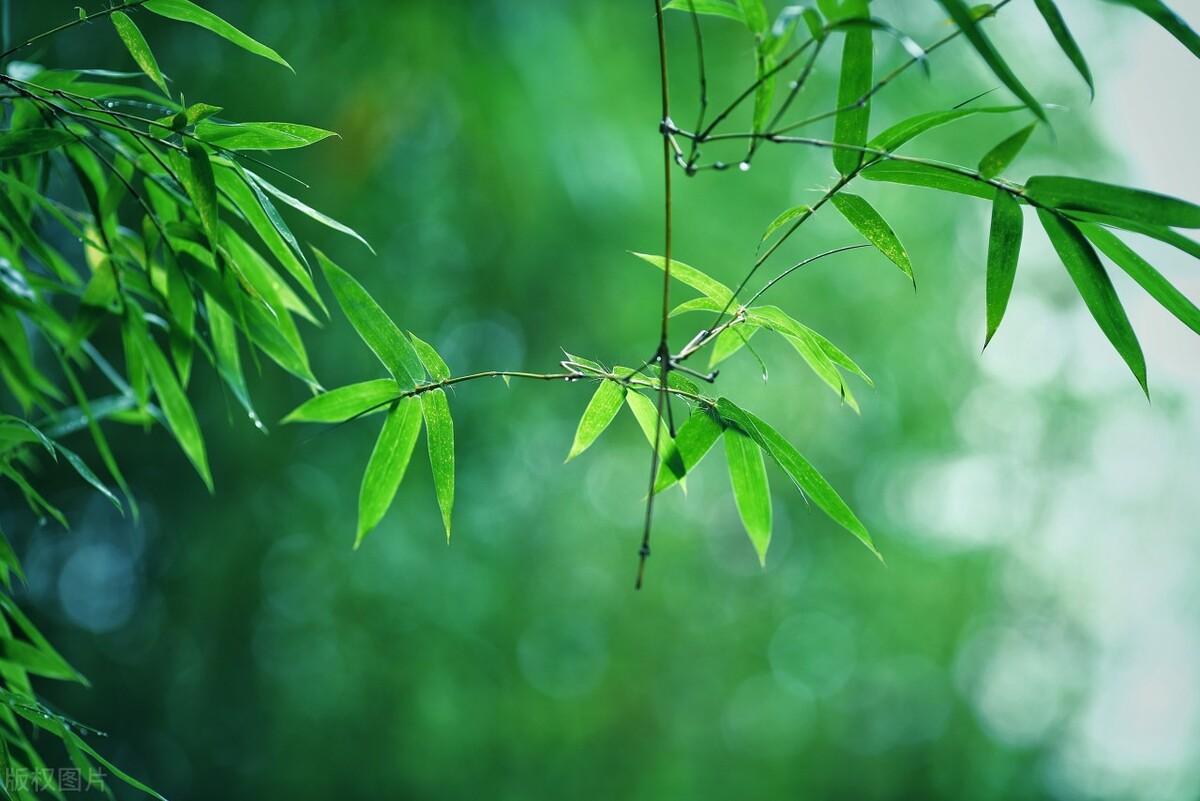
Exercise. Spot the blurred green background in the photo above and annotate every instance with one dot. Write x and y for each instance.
(1033, 634)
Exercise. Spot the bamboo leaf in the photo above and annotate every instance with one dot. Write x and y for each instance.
(645, 411)
(1081, 194)
(868, 222)
(1146, 276)
(998, 158)
(924, 175)
(1096, 289)
(718, 8)
(343, 403)
(693, 441)
(389, 459)
(439, 435)
(1168, 19)
(373, 325)
(1062, 35)
(433, 362)
(139, 48)
(305, 209)
(783, 219)
(694, 278)
(755, 15)
(31, 141)
(853, 119)
(1004, 248)
(803, 474)
(961, 14)
(186, 11)
(261, 135)
(729, 342)
(912, 127)
(751, 493)
(203, 189)
(87, 475)
(600, 411)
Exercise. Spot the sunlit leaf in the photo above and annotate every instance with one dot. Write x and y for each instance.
(343, 403)
(751, 493)
(187, 11)
(1096, 289)
(694, 278)
(388, 462)
(998, 158)
(137, 46)
(645, 411)
(439, 435)
(783, 219)
(433, 362)
(929, 177)
(868, 222)
(1004, 248)
(373, 325)
(693, 441)
(600, 411)
(729, 342)
(261, 135)
(803, 474)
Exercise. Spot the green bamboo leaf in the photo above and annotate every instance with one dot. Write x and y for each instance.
(389, 460)
(37, 641)
(912, 127)
(344, 403)
(304, 208)
(730, 341)
(31, 141)
(803, 474)
(645, 411)
(261, 135)
(998, 158)
(1096, 289)
(433, 361)
(696, 305)
(764, 95)
(751, 493)
(929, 177)
(1004, 248)
(181, 420)
(1168, 19)
(821, 355)
(710, 287)
(139, 48)
(1081, 194)
(1159, 232)
(223, 332)
(862, 215)
(1144, 273)
(717, 8)
(373, 325)
(186, 11)
(9, 563)
(853, 120)
(838, 357)
(783, 219)
(693, 441)
(201, 185)
(1062, 35)
(200, 111)
(87, 475)
(961, 14)
(755, 14)
(600, 411)
(439, 435)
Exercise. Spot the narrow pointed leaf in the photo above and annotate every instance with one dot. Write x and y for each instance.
(710, 287)
(853, 120)
(693, 441)
(1096, 289)
(729, 342)
(439, 435)
(373, 325)
(961, 14)
(803, 474)
(783, 219)
(1004, 248)
(868, 222)
(1081, 194)
(1062, 35)
(751, 493)
(996, 160)
(433, 362)
(908, 129)
(304, 208)
(187, 11)
(389, 460)
(645, 411)
(716, 8)
(261, 135)
(203, 189)
(139, 48)
(929, 177)
(1146, 276)
(1168, 19)
(341, 404)
(600, 411)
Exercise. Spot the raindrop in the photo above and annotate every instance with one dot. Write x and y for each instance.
(744, 166)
